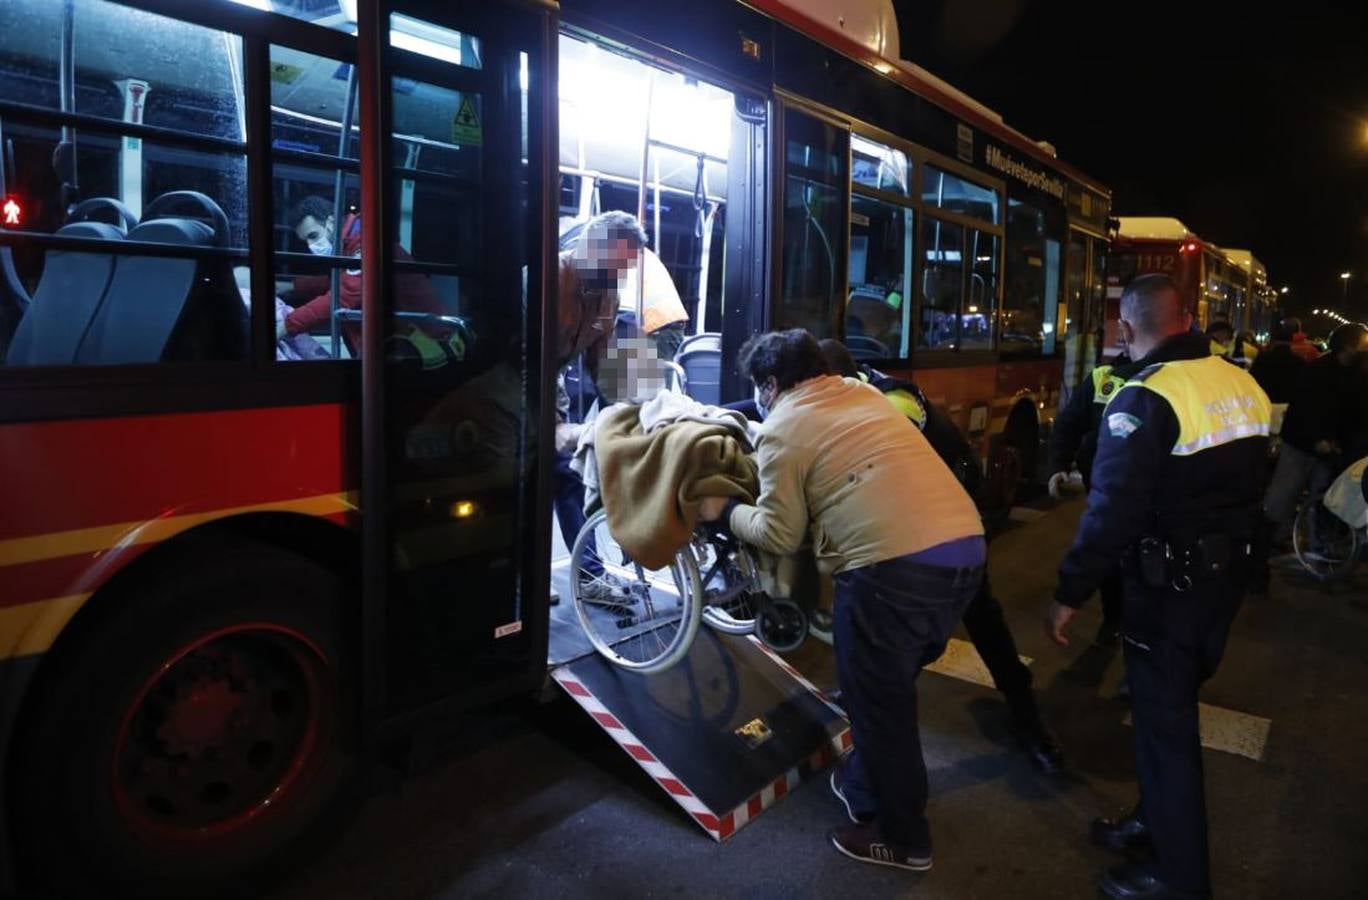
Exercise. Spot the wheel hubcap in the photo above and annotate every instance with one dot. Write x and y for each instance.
(219, 732)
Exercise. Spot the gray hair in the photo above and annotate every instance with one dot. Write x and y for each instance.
(616, 225)
(1151, 304)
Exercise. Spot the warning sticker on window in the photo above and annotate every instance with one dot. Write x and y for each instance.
(465, 128)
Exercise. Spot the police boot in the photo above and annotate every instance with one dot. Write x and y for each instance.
(1138, 882)
(1121, 833)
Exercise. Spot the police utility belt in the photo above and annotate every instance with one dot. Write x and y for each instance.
(1165, 564)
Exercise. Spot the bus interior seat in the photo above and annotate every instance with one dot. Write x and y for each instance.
(700, 355)
(14, 299)
(164, 307)
(69, 296)
(863, 347)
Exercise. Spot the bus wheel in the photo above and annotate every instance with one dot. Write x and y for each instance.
(201, 730)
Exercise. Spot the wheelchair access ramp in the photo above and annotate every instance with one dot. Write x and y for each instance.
(727, 732)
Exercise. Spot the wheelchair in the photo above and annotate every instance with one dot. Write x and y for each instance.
(646, 620)
(1331, 530)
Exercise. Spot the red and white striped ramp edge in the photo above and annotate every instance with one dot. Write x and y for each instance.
(719, 826)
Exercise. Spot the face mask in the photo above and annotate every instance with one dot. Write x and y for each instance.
(321, 247)
(760, 406)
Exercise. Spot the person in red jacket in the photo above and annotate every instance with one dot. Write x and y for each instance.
(313, 222)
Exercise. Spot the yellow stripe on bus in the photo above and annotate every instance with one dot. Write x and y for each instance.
(19, 637)
(94, 540)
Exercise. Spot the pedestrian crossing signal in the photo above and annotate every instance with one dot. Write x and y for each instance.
(465, 128)
(11, 213)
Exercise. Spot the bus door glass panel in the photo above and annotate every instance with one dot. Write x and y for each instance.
(1033, 314)
(942, 283)
(460, 418)
(813, 277)
(976, 330)
(1075, 324)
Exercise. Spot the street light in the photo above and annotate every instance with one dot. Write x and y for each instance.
(1344, 289)
(1283, 291)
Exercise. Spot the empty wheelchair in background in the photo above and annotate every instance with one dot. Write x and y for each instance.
(1331, 531)
(646, 620)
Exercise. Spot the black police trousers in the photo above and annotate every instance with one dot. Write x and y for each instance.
(1173, 642)
(988, 631)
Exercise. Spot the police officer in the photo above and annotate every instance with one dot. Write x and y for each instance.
(1175, 495)
(983, 619)
(1074, 441)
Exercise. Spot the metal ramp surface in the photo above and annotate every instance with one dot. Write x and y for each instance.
(727, 732)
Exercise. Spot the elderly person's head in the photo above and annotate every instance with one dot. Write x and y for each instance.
(609, 247)
(1151, 311)
(778, 360)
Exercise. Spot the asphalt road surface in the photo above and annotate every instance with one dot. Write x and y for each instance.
(535, 801)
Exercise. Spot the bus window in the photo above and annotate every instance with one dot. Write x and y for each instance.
(952, 193)
(815, 204)
(942, 283)
(121, 299)
(876, 166)
(325, 13)
(316, 194)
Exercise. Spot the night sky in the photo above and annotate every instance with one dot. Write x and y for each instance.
(1251, 128)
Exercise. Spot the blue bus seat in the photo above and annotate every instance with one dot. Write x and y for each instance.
(146, 297)
(70, 295)
(700, 355)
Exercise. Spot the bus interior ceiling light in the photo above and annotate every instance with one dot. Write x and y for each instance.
(604, 96)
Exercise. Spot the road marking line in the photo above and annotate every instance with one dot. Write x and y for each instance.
(962, 661)
(1231, 731)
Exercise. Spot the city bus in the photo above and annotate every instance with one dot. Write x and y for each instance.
(267, 264)
(1216, 284)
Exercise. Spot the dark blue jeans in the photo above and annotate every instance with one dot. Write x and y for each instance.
(889, 620)
(569, 504)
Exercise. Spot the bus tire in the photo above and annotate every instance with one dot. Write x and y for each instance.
(196, 735)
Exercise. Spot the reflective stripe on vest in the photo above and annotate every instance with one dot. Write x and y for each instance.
(1215, 402)
(1105, 384)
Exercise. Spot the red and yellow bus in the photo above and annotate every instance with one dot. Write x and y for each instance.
(1217, 284)
(268, 263)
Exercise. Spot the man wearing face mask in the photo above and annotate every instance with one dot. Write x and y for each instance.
(314, 224)
(838, 460)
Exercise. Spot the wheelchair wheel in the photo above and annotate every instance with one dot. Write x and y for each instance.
(1325, 544)
(639, 619)
(731, 589)
(781, 625)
